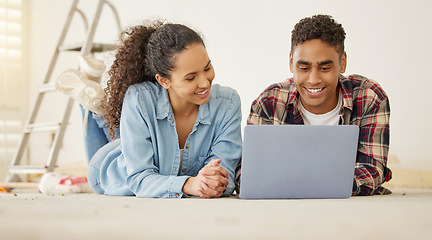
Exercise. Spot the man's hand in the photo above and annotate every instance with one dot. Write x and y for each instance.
(210, 182)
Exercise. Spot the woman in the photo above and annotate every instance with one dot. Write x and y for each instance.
(179, 134)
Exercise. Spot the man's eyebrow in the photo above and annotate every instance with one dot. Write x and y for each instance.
(191, 73)
(326, 62)
(301, 62)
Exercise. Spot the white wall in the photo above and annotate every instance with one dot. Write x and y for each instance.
(249, 42)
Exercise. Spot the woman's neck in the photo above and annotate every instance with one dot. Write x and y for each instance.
(182, 108)
(185, 115)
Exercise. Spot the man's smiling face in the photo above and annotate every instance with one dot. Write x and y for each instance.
(316, 66)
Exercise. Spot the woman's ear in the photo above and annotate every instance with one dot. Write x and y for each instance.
(164, 82)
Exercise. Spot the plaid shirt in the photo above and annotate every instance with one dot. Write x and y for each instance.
(365, 104)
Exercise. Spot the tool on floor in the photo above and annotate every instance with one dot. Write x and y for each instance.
(86, 48)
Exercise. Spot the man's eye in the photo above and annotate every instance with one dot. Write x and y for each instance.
(303, 68)
(325, 69)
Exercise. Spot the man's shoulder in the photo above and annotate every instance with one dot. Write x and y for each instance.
(359, 81)
(359, 86)
(286, 85)
(279, 91)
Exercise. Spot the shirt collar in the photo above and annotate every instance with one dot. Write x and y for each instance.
(204, 113)
(164, 110)
(163, 106)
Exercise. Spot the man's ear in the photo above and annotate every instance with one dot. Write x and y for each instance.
(291, 61)
(343, 63)
(164, 82)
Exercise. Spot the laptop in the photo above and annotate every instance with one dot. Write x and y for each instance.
(298, 161)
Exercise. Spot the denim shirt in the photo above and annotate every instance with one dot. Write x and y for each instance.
(145, 161)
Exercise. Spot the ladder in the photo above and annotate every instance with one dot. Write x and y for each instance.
(59, 128)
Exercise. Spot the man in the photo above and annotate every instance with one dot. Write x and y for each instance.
(319, 95)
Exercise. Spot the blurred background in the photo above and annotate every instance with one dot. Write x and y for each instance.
(248, 43)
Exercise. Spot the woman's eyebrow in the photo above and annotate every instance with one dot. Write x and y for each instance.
(191, 73)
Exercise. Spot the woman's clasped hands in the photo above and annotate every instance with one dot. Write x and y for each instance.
(210, 182)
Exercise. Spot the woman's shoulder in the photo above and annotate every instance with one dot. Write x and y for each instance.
(144, 86)
(144, 90)
(145, 95)
(223, 92)
(224, 98)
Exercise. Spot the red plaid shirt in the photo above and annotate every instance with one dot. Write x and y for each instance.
(365, 104)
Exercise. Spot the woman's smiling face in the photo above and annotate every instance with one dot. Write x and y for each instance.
(191, 78)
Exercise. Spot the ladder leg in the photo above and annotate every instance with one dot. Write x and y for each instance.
(114, 10)
(61, 40)
(58, 139)
(85, 50)
(90, 35)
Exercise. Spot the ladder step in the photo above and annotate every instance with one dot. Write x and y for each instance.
(42, 127)
(46, 87)
(96, 47)
(27, 169)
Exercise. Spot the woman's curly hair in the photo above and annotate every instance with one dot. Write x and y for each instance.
(145, 50)
(322, 27)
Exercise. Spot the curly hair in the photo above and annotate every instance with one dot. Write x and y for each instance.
(322, 27)
(145, 50)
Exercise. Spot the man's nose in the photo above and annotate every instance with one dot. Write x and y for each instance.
(314, 77)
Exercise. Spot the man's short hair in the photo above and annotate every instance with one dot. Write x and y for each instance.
(322, 27)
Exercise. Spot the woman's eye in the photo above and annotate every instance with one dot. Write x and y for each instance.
(190, 79)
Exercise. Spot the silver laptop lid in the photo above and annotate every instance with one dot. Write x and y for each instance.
(298, 161)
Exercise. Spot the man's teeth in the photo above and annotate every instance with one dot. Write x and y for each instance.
(314, 90)
(202, 93)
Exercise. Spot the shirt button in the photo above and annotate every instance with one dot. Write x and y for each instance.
(184, 170)
(177, 195)
(187, 146)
